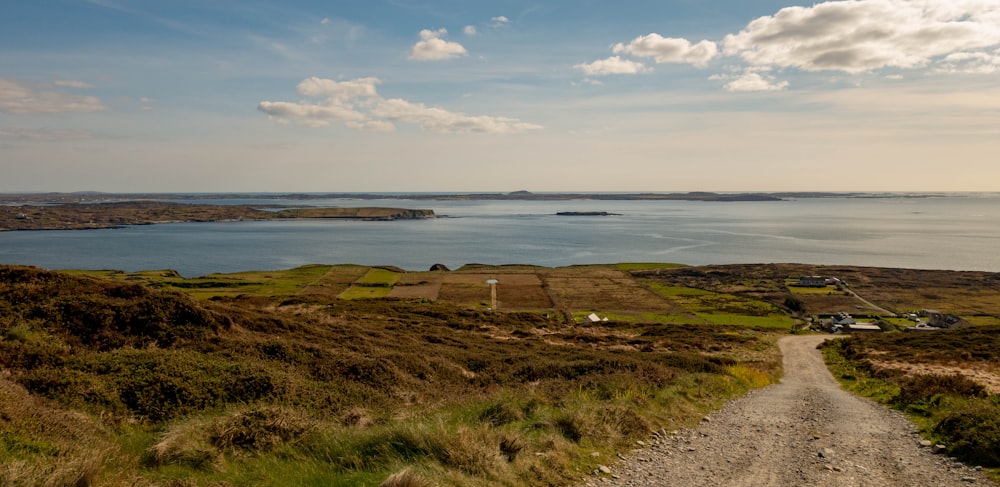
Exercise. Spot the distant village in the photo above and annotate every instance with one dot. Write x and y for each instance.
(925, 320)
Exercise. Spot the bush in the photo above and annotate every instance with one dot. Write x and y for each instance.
(926, 387)
(973, 433)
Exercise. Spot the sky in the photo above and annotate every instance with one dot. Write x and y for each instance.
(499, 95)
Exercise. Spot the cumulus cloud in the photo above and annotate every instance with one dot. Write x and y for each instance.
(752, 80)
(864, 35)
(470, 30)
(971, 63)
(439, 120)
(846, 36)
(358, 104)
(432, 47)
(20, 98)
(669, 49)
(612, 65)
(372, 126)
(499, 21)
(338, 90)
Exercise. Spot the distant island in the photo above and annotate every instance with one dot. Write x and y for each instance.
(522, 195)
(96, 210)
(89, 216)
(586, 213)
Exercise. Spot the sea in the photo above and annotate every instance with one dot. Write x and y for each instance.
(943, 231)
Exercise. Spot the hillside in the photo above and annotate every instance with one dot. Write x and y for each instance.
(349, 375)
(117, 382)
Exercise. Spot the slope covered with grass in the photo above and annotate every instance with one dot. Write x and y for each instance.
(118, 383)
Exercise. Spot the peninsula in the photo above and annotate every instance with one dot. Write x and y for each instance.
(87, 216)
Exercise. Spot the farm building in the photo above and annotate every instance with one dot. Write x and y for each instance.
(811, 281)
(942, 320)
(843, 322)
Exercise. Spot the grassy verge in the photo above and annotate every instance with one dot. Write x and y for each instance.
(949, 409)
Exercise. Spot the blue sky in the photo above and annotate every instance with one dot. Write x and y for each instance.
(429, 95)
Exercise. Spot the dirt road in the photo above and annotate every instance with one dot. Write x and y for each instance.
(804, 431)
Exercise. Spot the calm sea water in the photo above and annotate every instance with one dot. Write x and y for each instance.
(953, 232)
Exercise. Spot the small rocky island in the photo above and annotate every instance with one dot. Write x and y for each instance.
(586, 213)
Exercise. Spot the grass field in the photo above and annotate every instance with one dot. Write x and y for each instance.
(376, 283)
(346, 375)
(724, 309)
(268, 378)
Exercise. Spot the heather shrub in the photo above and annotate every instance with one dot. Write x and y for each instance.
(972, 432)
(926, 387)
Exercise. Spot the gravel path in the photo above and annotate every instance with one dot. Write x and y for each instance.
(804, 431)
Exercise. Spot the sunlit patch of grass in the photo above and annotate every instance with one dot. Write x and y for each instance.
(256, 283)
(376, 283)
(983, 320)
(821, 291)
(771, 321)
(724, 309)
(754, 378)
(639, 317)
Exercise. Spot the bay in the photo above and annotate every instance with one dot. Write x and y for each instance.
(958, 232)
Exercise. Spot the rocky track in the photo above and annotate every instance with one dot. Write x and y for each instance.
(804, 431)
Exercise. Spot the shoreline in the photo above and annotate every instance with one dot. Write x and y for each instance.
(122, 214)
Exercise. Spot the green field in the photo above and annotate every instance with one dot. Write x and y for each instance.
(376, 283)
(724, 309)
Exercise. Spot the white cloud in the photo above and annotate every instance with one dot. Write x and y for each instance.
(432, 47)
(358, 104)
(440, 120)
(470, 30)
(612, 65)
(752, 80)
(312, 115)
(338, 90)
(669, 49)
(863, 35)
(970, 63)
(499, 21)
(326, 20)
(372, 126)
(20, 98)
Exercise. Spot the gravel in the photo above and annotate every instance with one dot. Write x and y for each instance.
(804, 431)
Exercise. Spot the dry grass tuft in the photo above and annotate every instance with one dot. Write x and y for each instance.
(357, 417)
(185, 444)
(405, 478)
(259, 429)
(473, 451)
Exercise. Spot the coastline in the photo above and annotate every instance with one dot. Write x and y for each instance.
(120, 214)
